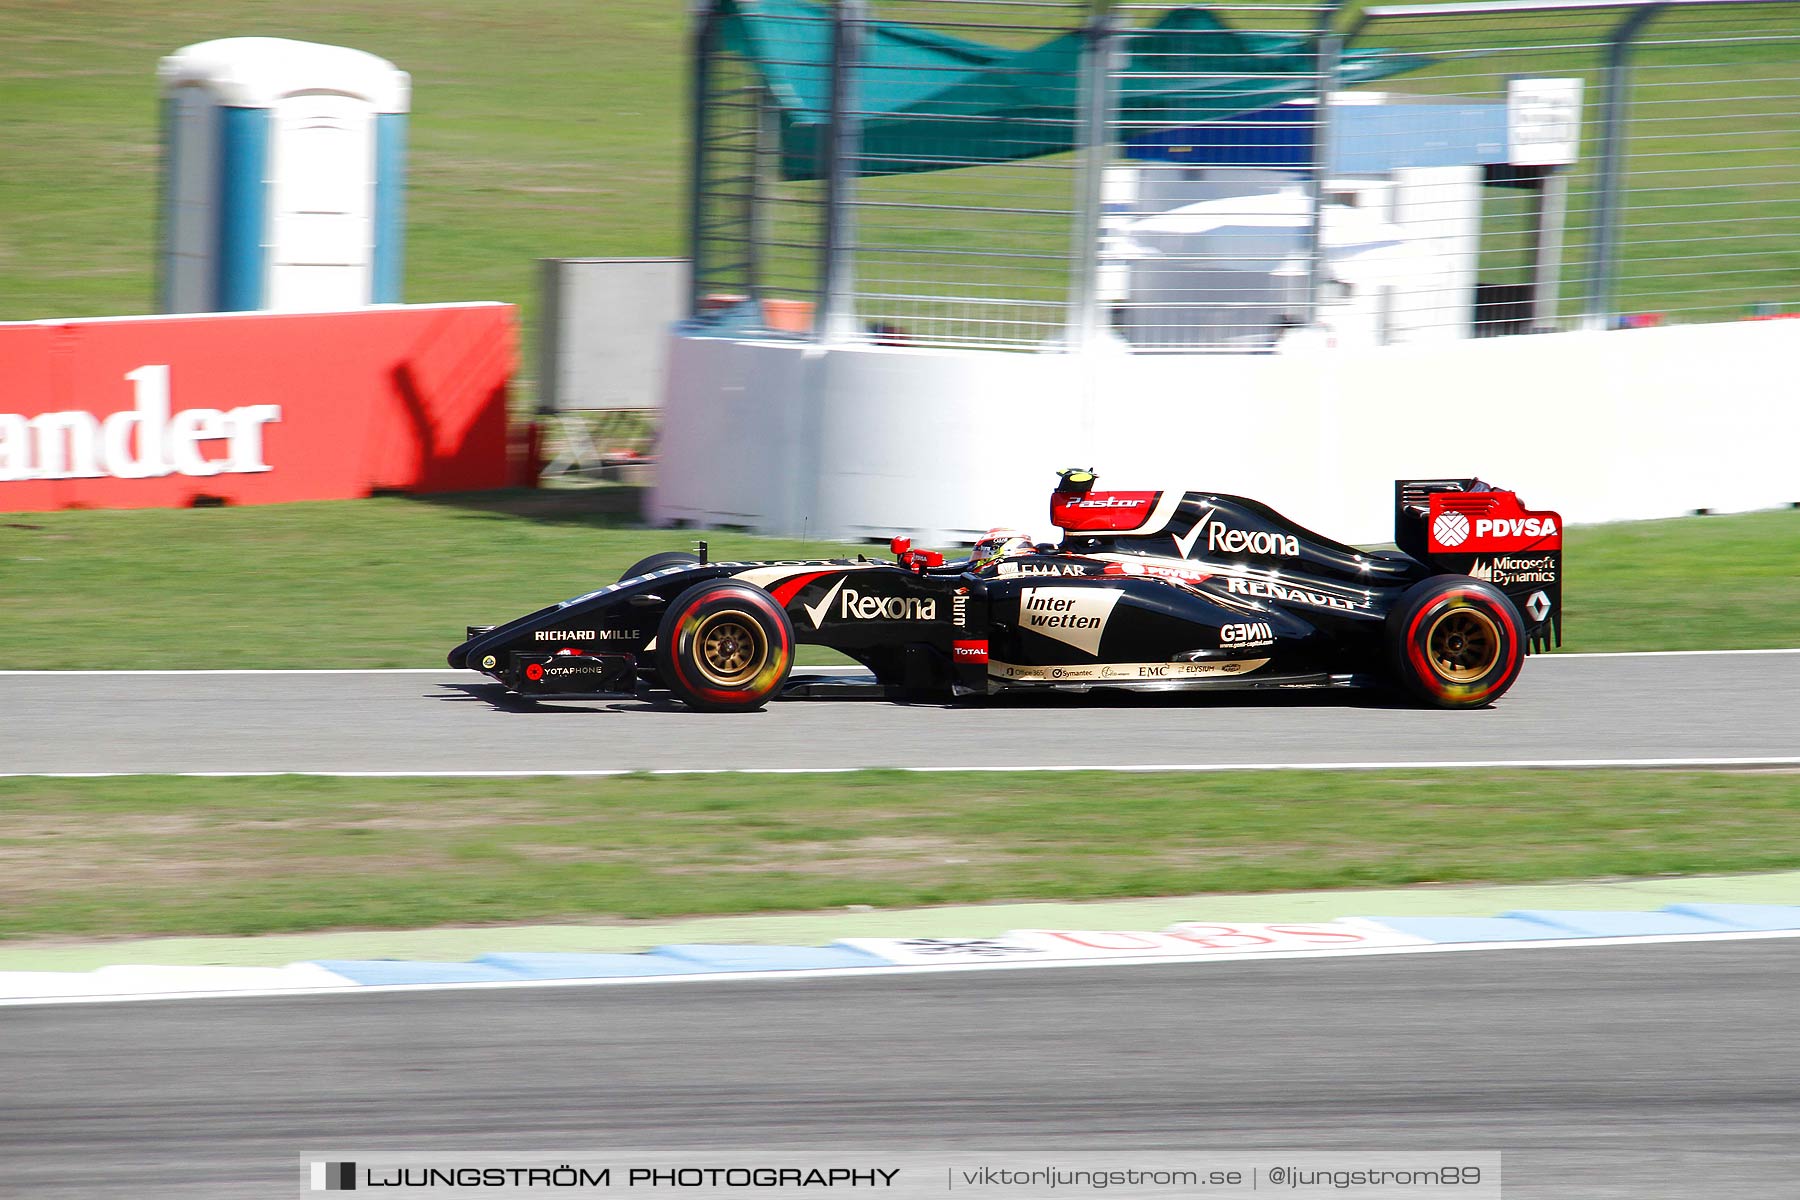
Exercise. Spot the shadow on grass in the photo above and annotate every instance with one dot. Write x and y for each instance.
(596, 506)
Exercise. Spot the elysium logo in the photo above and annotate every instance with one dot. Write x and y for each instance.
(334, 1177)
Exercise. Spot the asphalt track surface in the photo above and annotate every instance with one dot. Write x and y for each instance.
(1626, 708)
(1632, 1071)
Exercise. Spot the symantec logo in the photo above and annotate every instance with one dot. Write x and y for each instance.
(146, 441)
(1485, 522)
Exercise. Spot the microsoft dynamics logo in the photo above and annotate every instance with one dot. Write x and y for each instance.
(334, 1177)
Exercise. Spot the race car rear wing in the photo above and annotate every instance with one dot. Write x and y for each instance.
(1467, 527)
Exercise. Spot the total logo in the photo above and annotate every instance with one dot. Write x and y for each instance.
(854, 606)
(972, 651)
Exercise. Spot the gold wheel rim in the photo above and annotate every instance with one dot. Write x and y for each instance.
(732, 648)
(1463, 645)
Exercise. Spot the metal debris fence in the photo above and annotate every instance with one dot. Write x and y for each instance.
(1018, 175)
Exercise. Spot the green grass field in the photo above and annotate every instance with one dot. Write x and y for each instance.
(539, 130)
(164, 856)
(391, 582)
(557, 129)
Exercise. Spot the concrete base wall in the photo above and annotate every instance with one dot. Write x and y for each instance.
(867, 441)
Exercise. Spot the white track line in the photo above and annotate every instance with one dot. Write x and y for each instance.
(451, 671)
(1552, 657)
(1570, 764)
(263, 671)
(1651, 939)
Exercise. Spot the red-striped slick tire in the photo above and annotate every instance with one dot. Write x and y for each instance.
(1455, 642)
(725, 646)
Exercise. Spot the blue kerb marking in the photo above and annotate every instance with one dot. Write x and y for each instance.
(383, 971)
(1616, 924)
(1449, 930)
(771, 958)
(1764, 918)
(587, 966)
(1523, 925)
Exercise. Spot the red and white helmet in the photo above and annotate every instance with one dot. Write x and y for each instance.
(997, 544)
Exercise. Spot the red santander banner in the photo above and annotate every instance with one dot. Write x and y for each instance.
(254, 408)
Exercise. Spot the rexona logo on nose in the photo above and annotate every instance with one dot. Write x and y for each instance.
(854, 606)
(146, 441)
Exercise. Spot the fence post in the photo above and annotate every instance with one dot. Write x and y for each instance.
(1093, 144)
(1603, 252)
(835, 319)
(1328, 52)
(1547, 224)
(704, 14)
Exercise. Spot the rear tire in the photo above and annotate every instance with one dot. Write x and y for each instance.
(1455, 642)
(725, 647)
(657, 562)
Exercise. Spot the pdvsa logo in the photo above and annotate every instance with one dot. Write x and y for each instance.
(146, 441)
(1510, 527)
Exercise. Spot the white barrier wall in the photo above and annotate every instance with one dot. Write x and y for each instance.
(867, 441)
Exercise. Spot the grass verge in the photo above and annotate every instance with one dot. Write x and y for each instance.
(158, 855)
(391, 582)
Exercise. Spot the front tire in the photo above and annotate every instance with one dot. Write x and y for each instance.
(725, 647)
(657, 562)
(1455, 642)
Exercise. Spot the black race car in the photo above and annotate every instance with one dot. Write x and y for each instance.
(1146, 590)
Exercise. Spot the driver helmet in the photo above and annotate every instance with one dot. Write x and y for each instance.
(997, 544)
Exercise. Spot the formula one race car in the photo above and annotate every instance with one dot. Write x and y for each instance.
(1147, 590)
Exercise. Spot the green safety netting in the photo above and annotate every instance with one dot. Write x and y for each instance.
(930, 102)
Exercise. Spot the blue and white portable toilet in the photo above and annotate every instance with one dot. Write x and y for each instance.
(283, 177)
